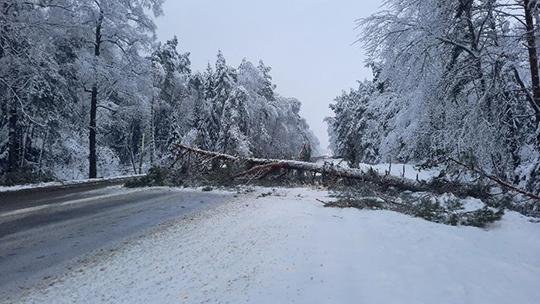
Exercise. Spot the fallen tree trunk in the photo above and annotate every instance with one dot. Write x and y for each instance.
(262, 168)
(326, 170)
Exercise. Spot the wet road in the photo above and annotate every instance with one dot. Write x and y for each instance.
(35, 244)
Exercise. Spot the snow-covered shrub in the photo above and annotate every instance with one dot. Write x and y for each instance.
(443, 209)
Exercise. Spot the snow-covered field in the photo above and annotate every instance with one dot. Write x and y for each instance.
(288, 248)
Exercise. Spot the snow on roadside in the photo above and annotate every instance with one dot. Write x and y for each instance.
(4, 189)
(287, 248)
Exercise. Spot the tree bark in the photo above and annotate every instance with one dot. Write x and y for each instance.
(92, 158)
(93, 155)
(533, 57)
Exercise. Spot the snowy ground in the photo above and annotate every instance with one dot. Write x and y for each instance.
(409, 171)
(288, 248)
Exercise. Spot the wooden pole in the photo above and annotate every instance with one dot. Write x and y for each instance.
(142, 153)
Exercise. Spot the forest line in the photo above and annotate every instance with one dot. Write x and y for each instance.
(82, 82)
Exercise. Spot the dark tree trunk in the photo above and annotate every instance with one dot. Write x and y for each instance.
(92, 173)
(533, 56)
(13, 157)
(93, 114)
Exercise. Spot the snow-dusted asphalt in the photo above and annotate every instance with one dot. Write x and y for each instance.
(288, 248)
(48, 235)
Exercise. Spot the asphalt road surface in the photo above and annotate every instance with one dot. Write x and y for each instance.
(42, 233)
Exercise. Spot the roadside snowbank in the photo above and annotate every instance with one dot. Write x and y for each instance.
(287, 248)
(5, 189)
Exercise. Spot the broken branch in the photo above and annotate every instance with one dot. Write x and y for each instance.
(495, 179)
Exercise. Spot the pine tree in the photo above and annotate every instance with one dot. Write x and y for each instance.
(225, 79)
(219, 88)
(233, 137)
(173, 72)
(268, 88)
(209, 85)
(306, 152)
(201, 113)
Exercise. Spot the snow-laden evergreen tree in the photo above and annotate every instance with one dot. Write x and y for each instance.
(170, 108)
(234, 125)
(350, 126)
(211, 122)
(225, 79)
(198, 135)
(267, 89)
(306, 152)
(276, 128)
(209, 85)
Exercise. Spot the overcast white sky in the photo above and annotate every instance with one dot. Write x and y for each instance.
(306, 42)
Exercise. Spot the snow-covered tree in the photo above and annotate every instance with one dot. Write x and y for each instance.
(169, 107)
(225, 79)
(267, 89)
(306, 152)
(32, 83)
(449, 81)
(233, 136)
(110, 63)
(23, 70)
(350, 125)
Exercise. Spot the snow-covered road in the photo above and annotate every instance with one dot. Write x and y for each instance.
(288, 248)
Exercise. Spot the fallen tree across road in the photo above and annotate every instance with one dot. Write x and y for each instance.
(259, 168)
(262, 168)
